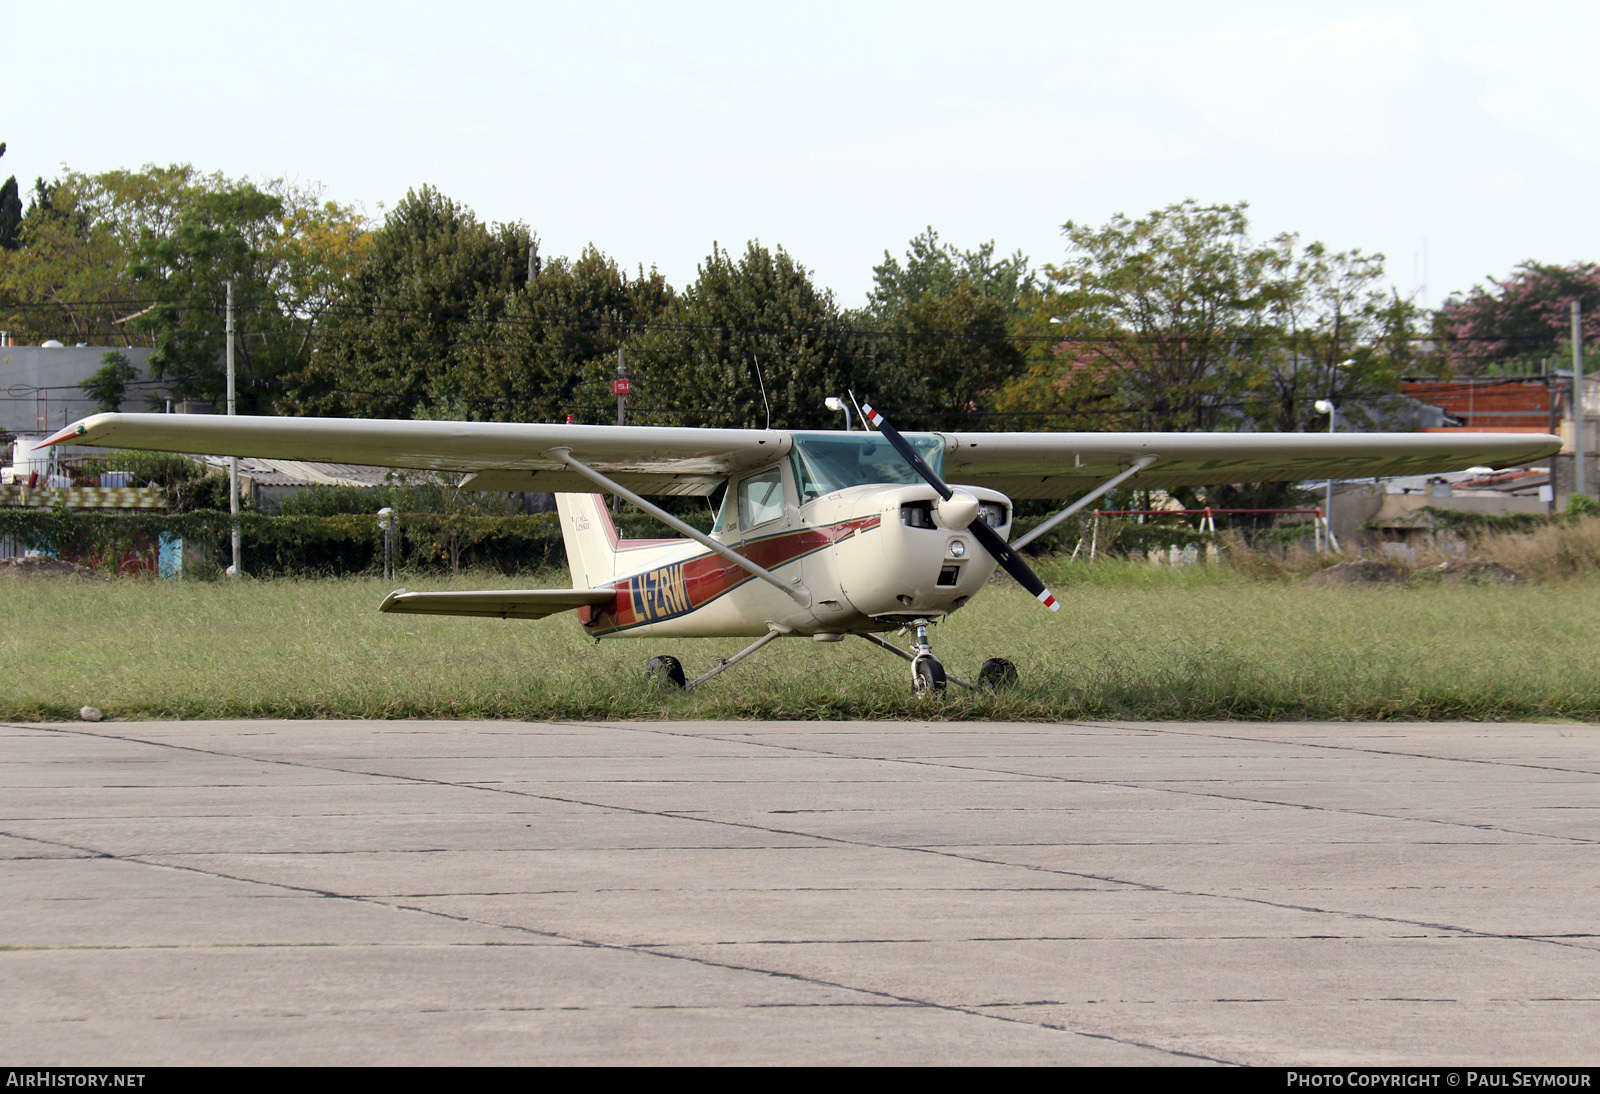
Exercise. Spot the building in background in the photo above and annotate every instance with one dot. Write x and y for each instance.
(39, 385)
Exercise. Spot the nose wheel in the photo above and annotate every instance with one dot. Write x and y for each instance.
(927, 674)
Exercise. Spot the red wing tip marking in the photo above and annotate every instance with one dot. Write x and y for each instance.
(1048, 600)
(872, 415)
(64, 435)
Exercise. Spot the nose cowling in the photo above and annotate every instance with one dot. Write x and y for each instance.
(907, 565)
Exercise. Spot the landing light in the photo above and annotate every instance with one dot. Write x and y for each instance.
(958, 548)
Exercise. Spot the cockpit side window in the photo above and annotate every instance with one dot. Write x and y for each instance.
(761, 498)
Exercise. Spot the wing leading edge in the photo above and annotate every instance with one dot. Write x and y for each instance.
(497, 455)
(1062, 465)
(656, 460)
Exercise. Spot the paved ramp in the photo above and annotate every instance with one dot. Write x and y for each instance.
(789, 893)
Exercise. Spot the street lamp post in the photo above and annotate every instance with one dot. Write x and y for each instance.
(1325, 406)
(833, 402)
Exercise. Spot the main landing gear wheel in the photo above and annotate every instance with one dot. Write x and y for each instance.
(927, 675)
(665, 673)
(997, 673)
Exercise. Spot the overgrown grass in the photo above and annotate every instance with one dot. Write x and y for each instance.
(1557, 551)
(1131, 641)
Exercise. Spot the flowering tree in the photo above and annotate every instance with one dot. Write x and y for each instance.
(1522, 322)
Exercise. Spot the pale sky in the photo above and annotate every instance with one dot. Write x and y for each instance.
(1452, 137)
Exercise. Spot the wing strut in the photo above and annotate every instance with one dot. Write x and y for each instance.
(796, 590)
(1112, 483)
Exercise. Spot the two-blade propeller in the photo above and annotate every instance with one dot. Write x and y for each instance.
(999, 548)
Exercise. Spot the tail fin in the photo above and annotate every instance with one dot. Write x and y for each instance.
(590, 538)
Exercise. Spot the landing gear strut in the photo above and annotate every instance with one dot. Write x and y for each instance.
(927, 674)
(667, 672)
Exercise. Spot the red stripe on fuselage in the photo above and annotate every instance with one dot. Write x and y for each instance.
(682, 587)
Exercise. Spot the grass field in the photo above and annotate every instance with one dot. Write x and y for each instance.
(1131, 641)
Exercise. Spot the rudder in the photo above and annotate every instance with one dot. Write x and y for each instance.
(590, 538)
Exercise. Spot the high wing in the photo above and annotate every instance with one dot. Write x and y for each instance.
(497, 455)
(1063, 465)
(655, 460)
(496, 604)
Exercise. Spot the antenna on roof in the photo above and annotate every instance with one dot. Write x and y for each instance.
(763, 384)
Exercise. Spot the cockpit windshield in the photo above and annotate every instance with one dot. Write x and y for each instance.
(825, 462)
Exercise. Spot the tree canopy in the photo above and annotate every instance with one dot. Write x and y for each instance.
(143, 258)
(940, 329)
(1522, 322)
(393, 339)
(552, 350)
(1180, 320)
(10, 209)
(749, 334)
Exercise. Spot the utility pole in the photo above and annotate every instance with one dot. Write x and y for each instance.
(1555, 427)
(233, 461)
(620, 387)
(1579, 419)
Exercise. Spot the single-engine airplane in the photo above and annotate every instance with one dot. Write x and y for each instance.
(819, 535)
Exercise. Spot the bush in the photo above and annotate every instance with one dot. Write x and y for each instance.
(305, 546)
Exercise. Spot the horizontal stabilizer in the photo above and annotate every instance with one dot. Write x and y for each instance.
(496, 603)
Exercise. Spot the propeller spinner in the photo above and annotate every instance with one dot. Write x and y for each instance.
(954, 503)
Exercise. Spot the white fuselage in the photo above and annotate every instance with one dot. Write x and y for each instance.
(868, 558)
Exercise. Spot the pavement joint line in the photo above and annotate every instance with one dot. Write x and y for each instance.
(619, 948)
(748, 826)
(389, 903)
(1357, 748)
(1145, 785)
(878, 993)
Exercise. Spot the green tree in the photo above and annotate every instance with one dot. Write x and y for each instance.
(1338, 333)
(110, 382)
(140, 258)
(939, 330)
(933, 269)
(68, 276)
(552, 349)
(220, 235)
(1181, 321)
(395, 336)
(10, 209)
(743, 325)
(1161, 319)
